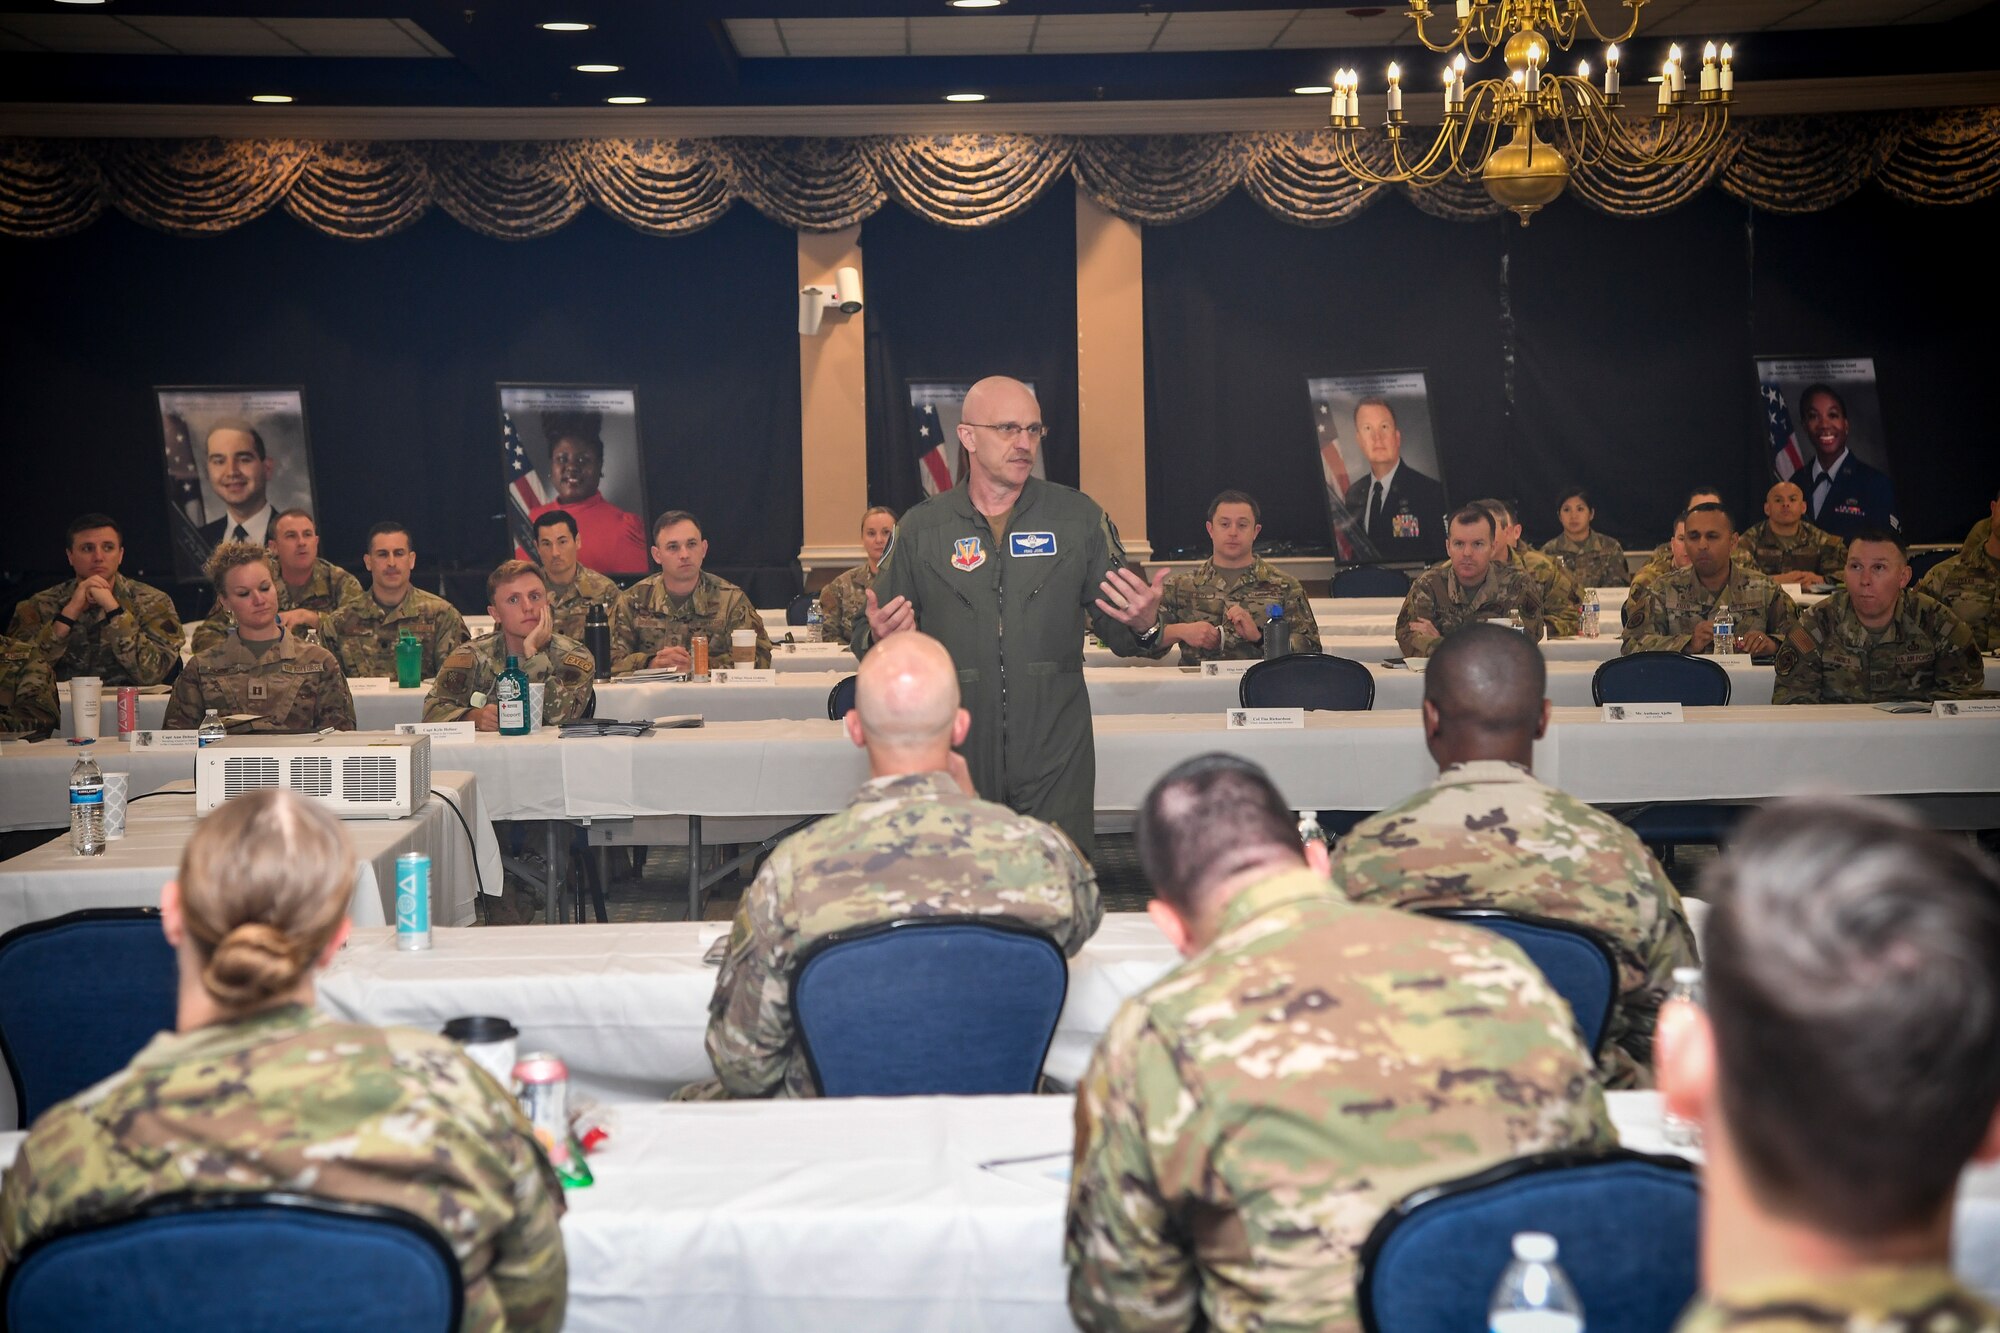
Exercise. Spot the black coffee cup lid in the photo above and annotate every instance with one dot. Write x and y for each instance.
(478, 1029)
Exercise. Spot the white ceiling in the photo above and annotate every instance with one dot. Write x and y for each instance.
(1271, 29)
(151, 35)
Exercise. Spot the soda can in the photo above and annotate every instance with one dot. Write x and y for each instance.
(544, 1083)
(128, 711)
(413, 901)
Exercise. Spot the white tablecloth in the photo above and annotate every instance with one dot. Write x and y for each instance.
(627, 1005)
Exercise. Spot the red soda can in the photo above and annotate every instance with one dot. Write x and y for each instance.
(544, 1082)
(128, 711)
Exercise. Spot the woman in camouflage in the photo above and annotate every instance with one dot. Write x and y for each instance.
(1594, 559)
(287, 684)
(840, 602)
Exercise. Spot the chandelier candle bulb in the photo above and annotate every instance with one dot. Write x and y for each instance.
(1395, 90)
(1611, 71)
(1728, 79)
(1674, 75)
(1666, 86)
(1708, 81)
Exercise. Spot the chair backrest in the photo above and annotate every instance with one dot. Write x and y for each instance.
(193, 1263)
(1923, 562)
(1576, 960)
(79, 995)
(841, 697)
(925, 1006)
(1627, 1227)
(1308, 680)
(1661, 678)
(799, 608)
(1369, 581)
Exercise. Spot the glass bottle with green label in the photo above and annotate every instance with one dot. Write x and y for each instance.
(511, 694)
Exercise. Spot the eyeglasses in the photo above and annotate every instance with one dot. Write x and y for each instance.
(1010, 431)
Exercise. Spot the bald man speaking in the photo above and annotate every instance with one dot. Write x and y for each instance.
(914, 841)
(1006, 571)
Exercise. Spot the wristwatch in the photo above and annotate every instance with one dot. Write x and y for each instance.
(1152, 635)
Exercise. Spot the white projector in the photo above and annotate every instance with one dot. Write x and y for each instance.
(355, 774)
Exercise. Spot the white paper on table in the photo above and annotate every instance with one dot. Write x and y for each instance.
(1047, 1172)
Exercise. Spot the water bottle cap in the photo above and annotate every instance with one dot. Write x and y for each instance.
(1275, 609)
(1534, 1247)
(1686, 976)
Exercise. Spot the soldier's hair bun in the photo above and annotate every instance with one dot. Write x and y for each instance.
(252, 963)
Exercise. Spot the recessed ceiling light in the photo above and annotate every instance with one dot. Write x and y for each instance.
(975, 4)
(965, 97)
(79, 2)
(1314, 90)
(597, 69)
(626, 101)
(271, 97)
(565, 27)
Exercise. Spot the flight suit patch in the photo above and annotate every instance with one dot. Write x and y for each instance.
(1031, 543)
(967, 554)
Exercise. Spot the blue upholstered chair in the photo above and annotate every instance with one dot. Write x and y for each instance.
(840, 698)
(1691, 682)
(929, 1005)
(1369, 581)
(262, 1262)
(79, 995)
(1576, 960)
(799, 608)
(1308, 680)
(1627, 1225)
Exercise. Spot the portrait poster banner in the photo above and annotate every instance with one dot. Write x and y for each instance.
(1827, 410)
(1376, 426)
(236, 457)
(575, 447)
(936, 407)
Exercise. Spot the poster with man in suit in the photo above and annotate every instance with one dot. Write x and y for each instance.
(1379, 460)
(235, 459)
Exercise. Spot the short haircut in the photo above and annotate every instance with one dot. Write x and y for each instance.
(387, 526)
(233, 555)
(670, 517)
(238, 424)
(1477, 514)
(1574, 493)
(1373, 400)
(1711, 507)
(1688, 504)
(293, 513)
(1853, 985)
(1209, 818)
(86, 522)
(1235, 498)
(509, 570)
(585, 428)
(1812, 391)
(554, 517)
(1875, 534)
(1502, 511)
(1487, 678)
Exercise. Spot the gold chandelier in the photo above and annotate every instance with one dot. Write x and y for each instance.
(1581, 119)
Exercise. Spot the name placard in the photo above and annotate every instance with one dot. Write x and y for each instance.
(743, 676)
(457, 731)
(1234, 667)
(1642, 712)
(1264, 719)
(166, 740)
(1966, 708)
(1731, 661)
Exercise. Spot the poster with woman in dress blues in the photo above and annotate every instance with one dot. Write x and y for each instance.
(1823, 426)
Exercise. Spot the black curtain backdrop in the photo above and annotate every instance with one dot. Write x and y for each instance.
(398, 343)
(1585, 349)
(945, 303)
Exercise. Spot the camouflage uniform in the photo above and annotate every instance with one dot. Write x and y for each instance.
(1811, 549)
(1969, 583)
(329, 588)
(910, 845)
(1661, 617)
(1489, 834)
(1662, 562)
(364, 637)
(27, 691)
(1914, 1299)
(295, 686)
(1595, 562)
(1981, 532)
(565, 668)
(1247, 1118)
(1437, 597)
(843, 601)
(714, 607)
(1203, 593)
(137, 646)
(571, 603)
(1562, 604)
(1830, 657)
(289, 1099)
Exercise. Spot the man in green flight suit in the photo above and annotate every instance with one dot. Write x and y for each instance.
(1004, 571)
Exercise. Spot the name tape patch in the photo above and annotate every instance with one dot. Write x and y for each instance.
(1031, 543)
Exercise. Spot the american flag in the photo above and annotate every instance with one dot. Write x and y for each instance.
(1335, 469)
(1786, 456)
(525, 490)
(934, 451)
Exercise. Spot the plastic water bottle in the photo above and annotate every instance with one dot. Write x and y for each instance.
(511, 693)
(1309, 829)
(409, 661)
(1514, 621)
(1725, 629)
(86, 807)
(1534, 1295)
(210, 731)
(815, 623)
(1277, 632)
(1686, 996)
(1592, 623)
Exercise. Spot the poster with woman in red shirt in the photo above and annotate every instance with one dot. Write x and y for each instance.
(576, 448)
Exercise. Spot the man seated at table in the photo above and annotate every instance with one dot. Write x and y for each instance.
(1217, 609)
(1676, 613)
(1562, 603)
(28, 705)
(1842, 1071)
(101, 623)
(1787, 547)
(914, 841)
(308, 587)
(1488, 834)
(683, 600)
(1677, 558)
(1472, 585)
(1877, 639)
(1969, 583)
(518, 600)
(364, 636)
(1665, 559)
(1247, 1118)
(287, 685)
(574, 588)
